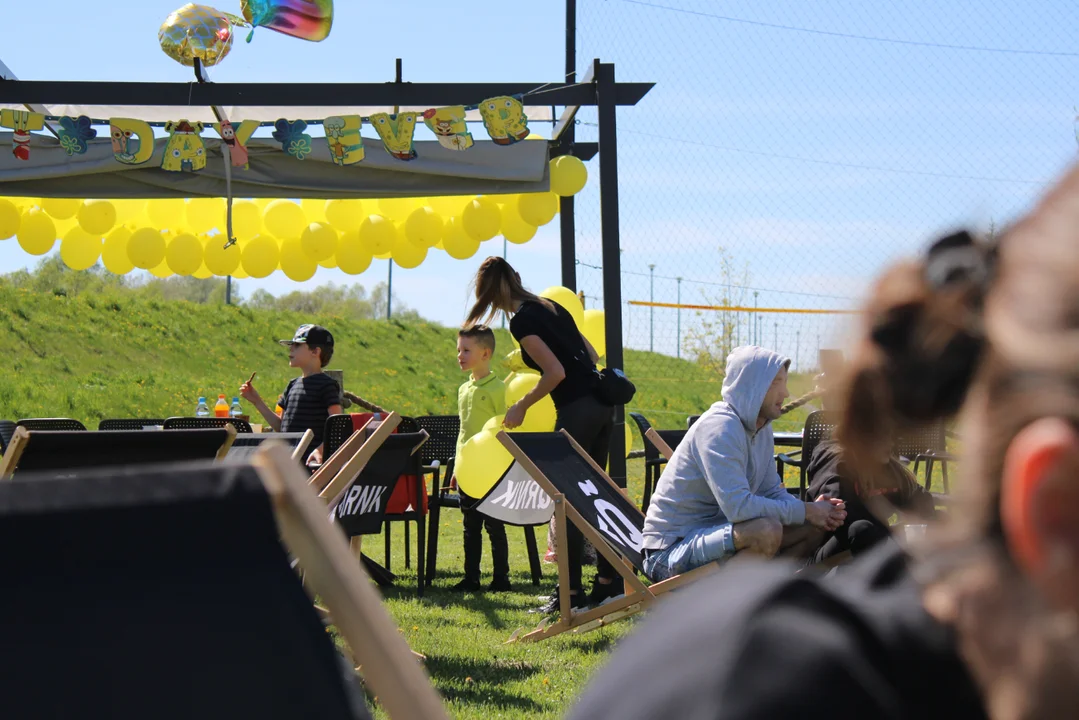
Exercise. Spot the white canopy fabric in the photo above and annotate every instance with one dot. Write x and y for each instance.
(484, 169)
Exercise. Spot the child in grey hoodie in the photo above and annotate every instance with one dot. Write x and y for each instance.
(723, 475)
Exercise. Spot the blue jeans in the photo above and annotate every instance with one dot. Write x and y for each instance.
(695, 550)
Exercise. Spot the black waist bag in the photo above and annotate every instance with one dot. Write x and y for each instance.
(613, 387)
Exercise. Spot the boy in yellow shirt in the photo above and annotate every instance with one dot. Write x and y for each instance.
(478, 400)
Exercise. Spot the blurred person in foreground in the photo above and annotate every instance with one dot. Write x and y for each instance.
(982, 618)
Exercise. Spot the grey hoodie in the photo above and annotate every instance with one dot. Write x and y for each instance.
(723, 470)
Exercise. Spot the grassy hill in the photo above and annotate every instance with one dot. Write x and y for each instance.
(91, 357)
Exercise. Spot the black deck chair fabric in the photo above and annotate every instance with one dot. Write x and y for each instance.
(600, 503)
(361, 507)
(51, 451)
(158, 592)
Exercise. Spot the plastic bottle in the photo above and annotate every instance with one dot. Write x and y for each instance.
(235, 410)
(202, 410)
(221, 408)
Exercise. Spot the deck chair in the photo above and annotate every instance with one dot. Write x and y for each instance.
(111, 424)
(52, 451)
(245, 445)
(51, 424)
(128, 622)
(582, 493)
(197, 423)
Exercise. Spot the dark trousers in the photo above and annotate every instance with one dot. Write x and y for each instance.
(589, 422)
(857, 536)
(474, 522)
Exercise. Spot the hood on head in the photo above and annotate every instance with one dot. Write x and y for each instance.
(750, 372)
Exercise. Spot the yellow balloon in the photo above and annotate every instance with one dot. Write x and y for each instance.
(184, 254)
(97, 217)
(567, 299)
(482, 218)
(128, 210)
(568, 175)
(246, 219)
(239, 273)
(329, 263)
(352, 256)
(377, 234)
(260, 256)
(79, 249)
(396, 208)
(295, 262)
(537, 209)
(482, 462)
(594, 329)
(203, 273)
(218, 260)
(161, 270)
(37, 232)
(146, 248)
(541, 416)
(407, 255)
(61, 208)
(166, 213)
(205, 214)
(10, 219)
(114, 251)
(449, 205)
(515, 229)
(314, 210)
(423, 228)
(319, 241)
(344, 215)
(284, 219)
(456, 242)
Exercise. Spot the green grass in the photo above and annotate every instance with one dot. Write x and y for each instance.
(92, 357)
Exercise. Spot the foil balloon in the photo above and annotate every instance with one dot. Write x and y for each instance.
(304, 19)
(197, 31)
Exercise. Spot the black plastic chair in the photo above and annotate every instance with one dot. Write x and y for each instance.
(653, 458)
(111, 424)
(819, 427)
(690, 420)
(929, 445)
(7, 429)
(52, 424)
(202, 423)
(338, 429)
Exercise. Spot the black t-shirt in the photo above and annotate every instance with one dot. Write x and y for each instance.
(306, 402)
(560, 333)
(755, 641)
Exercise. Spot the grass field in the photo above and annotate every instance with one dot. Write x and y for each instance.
(97, 357)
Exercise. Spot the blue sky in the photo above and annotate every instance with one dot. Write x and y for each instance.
(811, 159)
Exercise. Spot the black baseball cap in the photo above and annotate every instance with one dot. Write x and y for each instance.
(310, 335)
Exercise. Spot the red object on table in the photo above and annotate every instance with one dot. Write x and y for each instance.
(404, 492)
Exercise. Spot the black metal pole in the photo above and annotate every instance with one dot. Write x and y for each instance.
(612, 262)
(567, 220)
(228, 290)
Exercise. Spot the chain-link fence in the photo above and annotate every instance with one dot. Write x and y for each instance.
(789, 151)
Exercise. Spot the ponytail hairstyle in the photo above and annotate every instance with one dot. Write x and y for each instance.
(499, 288)
(921, 343)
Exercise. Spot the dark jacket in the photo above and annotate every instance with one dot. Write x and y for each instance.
(829, 475)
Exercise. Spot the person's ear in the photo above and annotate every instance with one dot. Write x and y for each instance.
(1040, 507)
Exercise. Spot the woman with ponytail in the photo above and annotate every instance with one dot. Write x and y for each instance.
(552, 344)
(981, 619)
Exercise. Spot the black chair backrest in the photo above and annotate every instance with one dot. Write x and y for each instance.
(7, 429)
(690, 420)
(361, 507)
(928, 439)
(338, 429)
(672, 437)
(49, 451)
(201, 423)
(133, 575)
(51, 424)
(111, 424)
(643, 426)
(819, 427)
(442, 445)
(600, 502)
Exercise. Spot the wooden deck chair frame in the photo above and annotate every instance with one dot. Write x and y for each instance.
(22, 438)
(638, 596)
(661, 445)
(332, 573)
(301, 446)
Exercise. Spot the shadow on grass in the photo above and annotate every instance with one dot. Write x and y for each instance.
(486, 678)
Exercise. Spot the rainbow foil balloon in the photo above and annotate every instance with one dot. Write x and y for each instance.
(305, 19)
